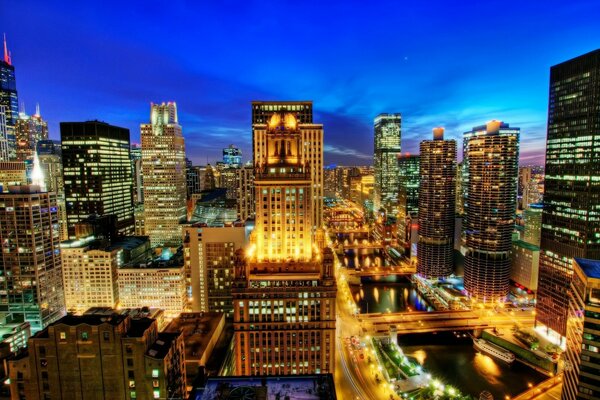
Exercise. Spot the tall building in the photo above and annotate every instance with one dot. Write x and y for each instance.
(101, 357)
(409, 180)
(460, 190)
(232, 156)
(533, 223)
(387, 149)
(9, 99)
(245, 192)
(570, 225)
(30, 262)
(136, 168)
(49, 154)
(212, 253)
(582, 371)
(263, 110)
(312, 152)
(491, 156)
(435, 252)
(4, 145)
(29, 130)
(284, 289)
(97, 173)
(525, 265)
(164, 170)
(193, 175)
(12, 173)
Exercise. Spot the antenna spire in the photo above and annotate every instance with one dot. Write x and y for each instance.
(6, 53)
(37, 109)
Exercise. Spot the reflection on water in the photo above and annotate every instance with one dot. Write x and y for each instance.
(359, 258)
(390, 294)
(455, 362)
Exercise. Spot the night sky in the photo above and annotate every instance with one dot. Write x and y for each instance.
(438, 63)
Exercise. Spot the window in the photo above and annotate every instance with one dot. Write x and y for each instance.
(155, 373)
(155, 383)
(130, 362)
(63, 336)
(84, 336)
(131, 383)
(133, 394)
(106, 336)
(156, 394)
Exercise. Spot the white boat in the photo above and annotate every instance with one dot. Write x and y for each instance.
(493, 350)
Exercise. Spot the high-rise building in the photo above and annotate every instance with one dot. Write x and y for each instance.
(157, 282)
(192, 174)
(387, 149)
(460, 190)
(212, 253)
(245, 192)
(491, 156)
(525, 265)
(533, 223)
(312, 152)
(49, 154)
(29, 130)
(97, 173)
(30, 262)
(9, 99)
(570, 225)
(284, 289)
(232, 156)
(229, 177)
(101, 357)
(164, 170)
(263, 110)
(408, 200)
(435, 251)
(136, 168)
(12, 173)
(4, 145)
(582, 365)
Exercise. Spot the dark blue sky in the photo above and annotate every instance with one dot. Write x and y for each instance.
(451, 63)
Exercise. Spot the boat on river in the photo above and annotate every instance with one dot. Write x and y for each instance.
(493, 350)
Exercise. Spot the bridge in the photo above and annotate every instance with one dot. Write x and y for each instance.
(436, 321)
(383, 271)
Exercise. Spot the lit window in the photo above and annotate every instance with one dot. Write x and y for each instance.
(157, 394)
(63, 336)
(155, 373)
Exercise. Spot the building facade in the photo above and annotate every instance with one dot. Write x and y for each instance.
(212, 254)
(525, 264)
(164, 171)
(245, 192)
(284, 289)
(101, 357)
(387, 174)
(435, 251)
(570, 224)
(582, 365)
(30, 261)
(97, 173)
(491, 156)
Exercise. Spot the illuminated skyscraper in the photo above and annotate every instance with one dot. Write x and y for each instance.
(312, 137)
(387, 174)
(4, 146)
(570, 220)
(436, 206)
(136, 168)
(491, 155)
(97, 173)
(29, 130)
(30, 261)
(164, 171)
(232, 156)
(8, 98)
(284, 289)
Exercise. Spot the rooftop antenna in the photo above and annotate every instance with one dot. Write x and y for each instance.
(6, 52)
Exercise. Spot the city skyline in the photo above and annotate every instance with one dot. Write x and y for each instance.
(430, 79)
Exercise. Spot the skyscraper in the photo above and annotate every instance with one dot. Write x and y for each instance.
(570, 222)
(29, 130)
(30, 261)
(284, 289)
(436, 206)
(4, 146)
(8, 98)
(97, 173)
(387, 149)
(491, 155)
(136, 168)
(312, 139)
(164, 171)
(232, 156)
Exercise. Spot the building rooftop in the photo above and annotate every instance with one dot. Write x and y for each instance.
(305, 387)
(198, 329)
(591, 268)
(162, 344)
(137, 327)
(129, 242)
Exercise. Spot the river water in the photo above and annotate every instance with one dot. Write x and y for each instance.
(388, 294)
(455, 362)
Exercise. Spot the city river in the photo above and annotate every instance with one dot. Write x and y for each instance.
(388, 294)
(455, 362)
